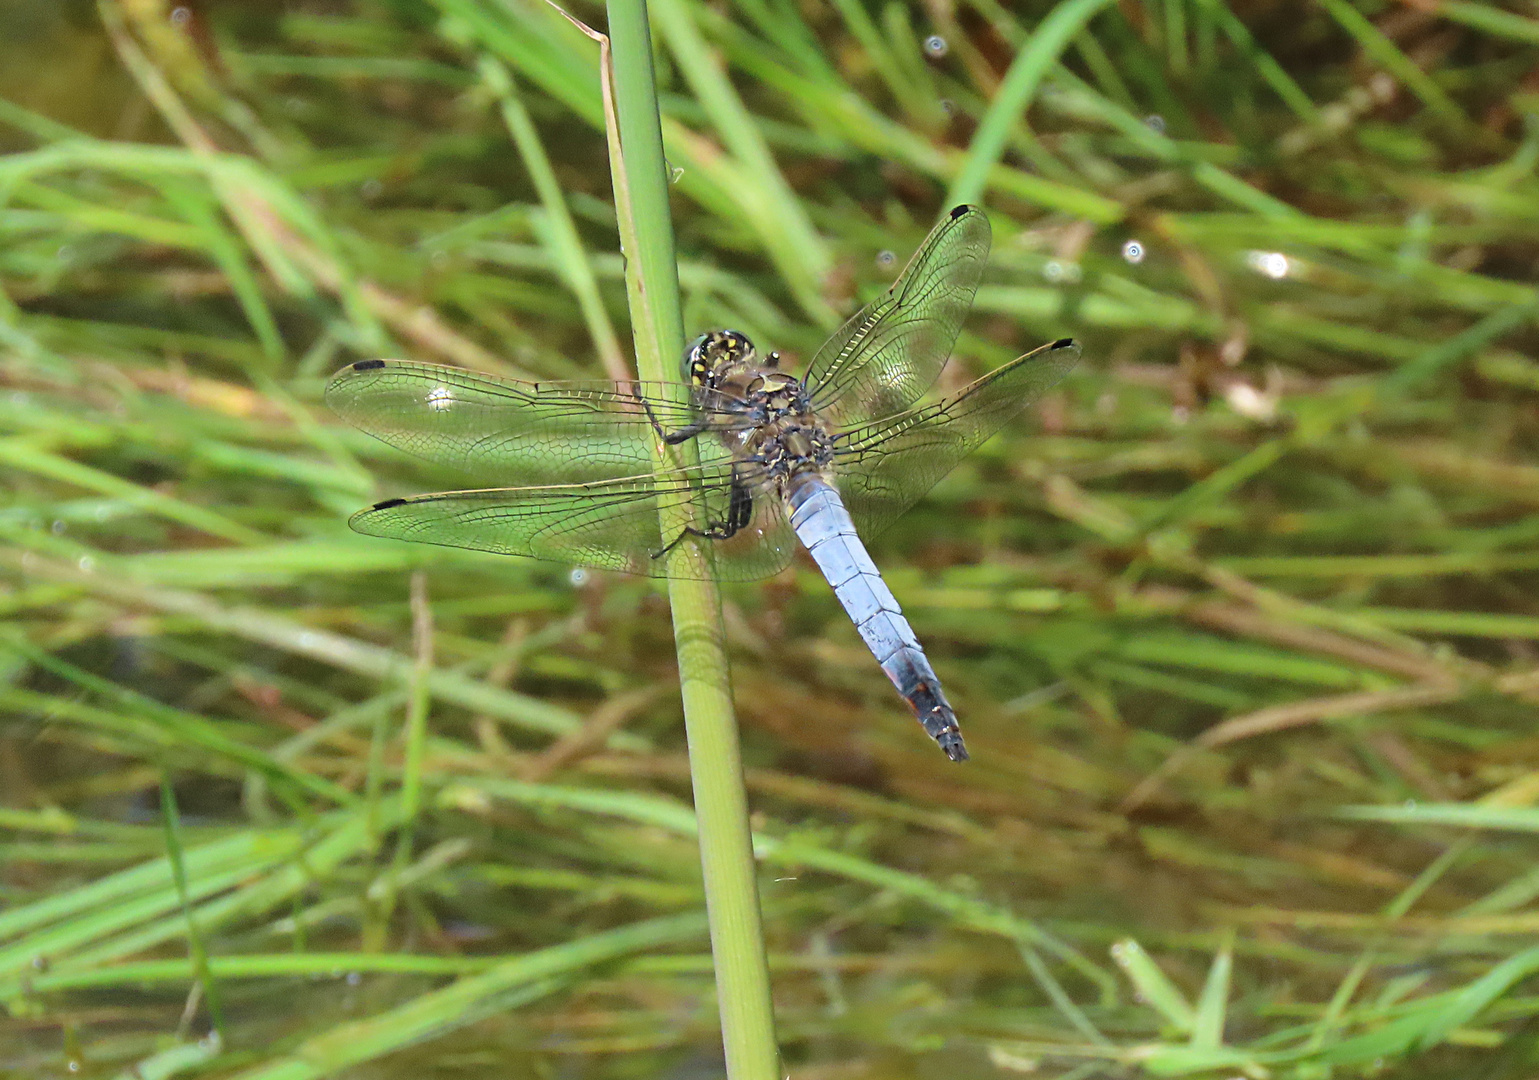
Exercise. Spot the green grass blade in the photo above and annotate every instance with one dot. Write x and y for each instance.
(1153, 986)
(1213, 1002)
(442, 1011)
(172, 820)
(795, 245)
(1030, 66)
(1378, 46)
(1459, 815)
(573, 261)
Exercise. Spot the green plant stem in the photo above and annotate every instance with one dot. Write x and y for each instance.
(721, 801)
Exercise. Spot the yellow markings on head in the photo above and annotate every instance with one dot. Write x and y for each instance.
(734, 346)
(714, 354)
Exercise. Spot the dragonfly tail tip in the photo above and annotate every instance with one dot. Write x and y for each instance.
(951, 742)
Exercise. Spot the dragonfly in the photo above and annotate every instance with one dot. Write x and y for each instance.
(825, 459)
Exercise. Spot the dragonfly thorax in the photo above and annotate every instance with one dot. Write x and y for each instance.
(789, 445)
(772, 423)
(790, 450)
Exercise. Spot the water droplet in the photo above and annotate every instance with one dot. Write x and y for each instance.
(57, 528)
(372, 189)
(1155, 122)
(86, 564)
(948, 106)
(1133, 252)
(936, 46)
(181, 16)
(64, 252)
(1274, 264)
(354, 978)
(884, 259)
(578, 577)
(73, 1066)
(1410, 804)
(1061, 273)
(1246, 400)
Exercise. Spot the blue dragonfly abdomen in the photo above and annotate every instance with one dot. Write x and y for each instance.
(824, 526)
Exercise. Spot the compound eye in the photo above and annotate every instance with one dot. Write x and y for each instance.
(692, 364)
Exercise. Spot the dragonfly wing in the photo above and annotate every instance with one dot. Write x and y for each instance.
(891, 351)
(885, 467)
(609, 524)
(496, 429)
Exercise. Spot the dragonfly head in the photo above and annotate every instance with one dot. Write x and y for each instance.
(715, 356)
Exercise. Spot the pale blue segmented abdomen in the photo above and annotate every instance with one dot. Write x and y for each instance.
(824, 526)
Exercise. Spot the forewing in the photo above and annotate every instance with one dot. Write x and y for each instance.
(891, 351)
(610, 524)
(500, 430)
(883, 468)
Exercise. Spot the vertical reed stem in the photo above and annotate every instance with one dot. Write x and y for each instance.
(721, 803)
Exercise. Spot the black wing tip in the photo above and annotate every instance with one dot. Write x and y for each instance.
(1062, 343)
(962, 209)
(366, 365)
(388, 503)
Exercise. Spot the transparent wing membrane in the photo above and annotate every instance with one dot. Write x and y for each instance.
(891, 351)
(496, 430)
(882, 468)
(610, 524)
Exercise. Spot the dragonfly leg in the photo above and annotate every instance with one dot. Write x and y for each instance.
(739, 513)
(684, 434)
(672, 438)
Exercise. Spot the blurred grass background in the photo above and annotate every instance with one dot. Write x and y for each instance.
(1241, 623)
